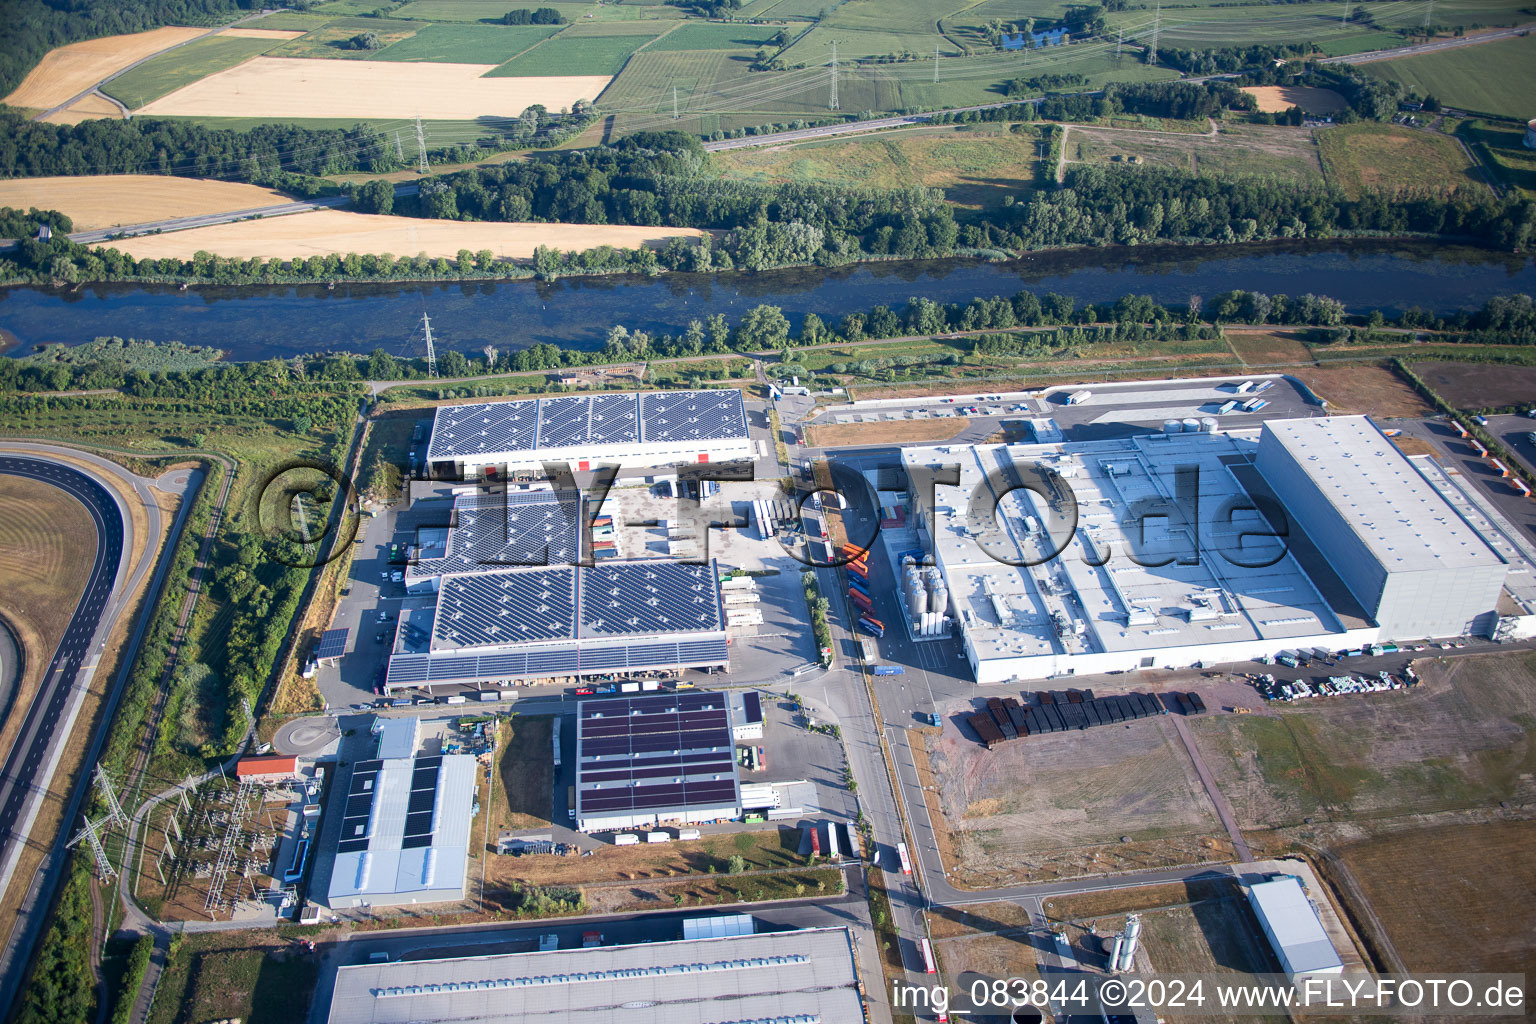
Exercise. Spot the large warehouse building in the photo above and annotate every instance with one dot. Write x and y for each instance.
(1416, 567)
(497, 597)
(651, 428)
(660, 758)
(794, 977)
(1168, 563)
(404, 832)
(1291, 923)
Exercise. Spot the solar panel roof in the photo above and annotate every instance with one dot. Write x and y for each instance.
(655, 752)
(504, 608)
(568, 659)
(586, 421)
(619, 598)
(333, 643)
(502, 529)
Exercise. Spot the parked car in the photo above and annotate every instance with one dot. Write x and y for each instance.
(362, 707)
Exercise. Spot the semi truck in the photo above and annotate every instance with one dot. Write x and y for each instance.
(901, 857)
(570, 802)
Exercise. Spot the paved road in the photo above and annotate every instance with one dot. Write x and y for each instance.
(1432, 47)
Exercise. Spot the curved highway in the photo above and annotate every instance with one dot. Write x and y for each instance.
(29, 758)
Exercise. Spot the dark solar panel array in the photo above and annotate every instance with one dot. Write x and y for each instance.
(509, 529)
(693, 415)
(333, 643)
(410, 669)
(354, 821)
(418, 813)
(648, 597)
(501, 608)
(577, 420)
(657, 751)
(752, 701)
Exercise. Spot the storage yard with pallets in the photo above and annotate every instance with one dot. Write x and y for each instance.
(1065, 710)
(1070, 803)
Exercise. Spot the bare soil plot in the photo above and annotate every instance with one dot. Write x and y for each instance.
(992, 939)
(112, 199)
(1373, 390)
(524, 773)
(760, 849)
(1089, 906)
(46, 551)
(1059, 805)
(339, 231)
(1479, 385)
(1476, 882)
(86, 108)
(1272, 99)
(1269, 348)
(829, 435)
(278, 87)
(72, 69)
(1285, 153)
(1463, 738)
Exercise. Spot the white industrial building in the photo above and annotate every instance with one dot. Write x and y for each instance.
(404, 831)
(1294, 930)
(1168, 563)
(1410, 559)
(793, 977)
(746, 714)
(652, 428)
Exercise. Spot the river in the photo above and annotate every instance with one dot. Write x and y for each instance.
(259, 322)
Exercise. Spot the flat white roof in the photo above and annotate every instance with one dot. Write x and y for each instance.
(1125, 604)
(1405, 522)
(797, 975)
(1284, 907)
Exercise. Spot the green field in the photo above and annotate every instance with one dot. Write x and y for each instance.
(1493, 78)
(465, 44)
(492, 10)
(1503, 145)
(791, 8)
(329, 40)
(1361, 156)
(598, 55)
(183, 66)
(976, 166)
(696, 36)
(1285, 154)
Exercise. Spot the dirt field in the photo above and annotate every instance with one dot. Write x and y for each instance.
(991, 939)
(110, 200)
(1273, 99)
(1461, 739)
(897, 431)
(339, 231)
(1474, 882)
(761, 849)
(87, 109)
(72, 69)
(1479, 385)
(1373, 390)
(1269, 348)
(1284, 153)
(524, 775)
(261, 33)
(276, 87)
(1058, 806)
(45, 557)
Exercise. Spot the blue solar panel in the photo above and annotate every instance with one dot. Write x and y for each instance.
(333, 643)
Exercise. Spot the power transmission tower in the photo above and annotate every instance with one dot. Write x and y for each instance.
(426, 326)
(1428, 12)
(1119, 41)
(935, 65)
(674, 103)
(421, 148)
(399, 149)
(104, 866)
(103, 784)
(1344, 21)
(1157, 24)
(832, 103)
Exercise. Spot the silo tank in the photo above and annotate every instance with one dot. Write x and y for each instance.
(1192, 425)
(1173, 426)
(1209, 424)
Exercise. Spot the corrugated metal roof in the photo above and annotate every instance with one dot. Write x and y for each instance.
(1283, 906)
(798, 974)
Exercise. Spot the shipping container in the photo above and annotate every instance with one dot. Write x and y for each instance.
(872, 626)
(457, 698)
(1079, 397)
(488, 695)
(688, 833)
(650, 686)
(658, 837)
(1198, 702)
(889, 670)
(626, 839)
(986, 729)
(629, 687)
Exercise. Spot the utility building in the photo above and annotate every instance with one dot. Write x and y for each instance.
(1293, 928)
(1414, 564)
(652, 428)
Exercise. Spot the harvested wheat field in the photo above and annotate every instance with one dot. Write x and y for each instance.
(339, 231)
(87, 108)
(261, 33)
(1274, 99)
(292, 87)
(113, 199)
(70, 70)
